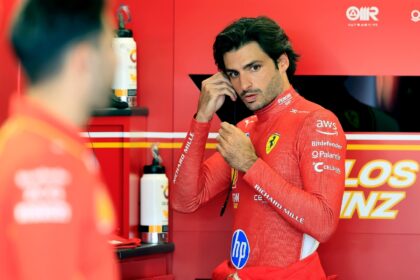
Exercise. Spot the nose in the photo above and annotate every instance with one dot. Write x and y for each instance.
(245, 82)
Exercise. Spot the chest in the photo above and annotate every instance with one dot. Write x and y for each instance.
(276, 142)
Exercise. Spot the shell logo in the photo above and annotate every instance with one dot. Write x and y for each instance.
(133, 55)
(133, 78)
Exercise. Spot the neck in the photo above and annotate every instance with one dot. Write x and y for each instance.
(286, 85)
(60, 101)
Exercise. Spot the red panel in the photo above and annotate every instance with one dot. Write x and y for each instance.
(147, 267)
(121, 167)
(112, 165)
(198, 252)
(379, 240)
(152, 24)
(320, 31)
(372, 256)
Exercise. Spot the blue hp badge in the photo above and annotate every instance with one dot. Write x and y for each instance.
(239, 251)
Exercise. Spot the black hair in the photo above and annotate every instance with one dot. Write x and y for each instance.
(44, 29)
(263, 30)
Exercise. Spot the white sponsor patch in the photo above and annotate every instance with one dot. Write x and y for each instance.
(415, 15)
(285, 99)
(296, 111)
(43, 196)
(235, 199)
(275, 203)
(190, 139)
(326, 127)
(325, 154)
(248, 121)
(326, 124)
(326, 144)
(354, 13)
(367, 16)
(321, 167)
(326, 132)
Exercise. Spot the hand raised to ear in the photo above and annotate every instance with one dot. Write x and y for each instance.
(213, 93)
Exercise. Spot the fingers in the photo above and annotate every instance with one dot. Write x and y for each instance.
(226, 132)
(221, 89)
(220, 76)
(228, 128)
(219, 84)
(220, 149)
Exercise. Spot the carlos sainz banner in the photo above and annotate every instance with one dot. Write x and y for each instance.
(381, 182)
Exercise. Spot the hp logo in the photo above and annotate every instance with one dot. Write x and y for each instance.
(239, 253)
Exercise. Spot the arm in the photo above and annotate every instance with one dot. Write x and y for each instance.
(196, 182)
(313, 209)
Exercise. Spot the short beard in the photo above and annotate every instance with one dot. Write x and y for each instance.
(274, 88)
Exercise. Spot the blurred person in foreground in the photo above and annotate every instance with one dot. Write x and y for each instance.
(283, 166)
(56, 213)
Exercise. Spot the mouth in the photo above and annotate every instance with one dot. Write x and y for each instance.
(250, 98)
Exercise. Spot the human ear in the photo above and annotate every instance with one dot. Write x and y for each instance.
(283, 62)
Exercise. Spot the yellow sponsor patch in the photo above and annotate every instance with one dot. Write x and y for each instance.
(271, 143)
(234, 177)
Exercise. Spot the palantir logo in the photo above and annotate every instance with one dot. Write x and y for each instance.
(239, 253)
(363, 13)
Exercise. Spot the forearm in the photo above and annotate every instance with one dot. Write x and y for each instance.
(195, 181)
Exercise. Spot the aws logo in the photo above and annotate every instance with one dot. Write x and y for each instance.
(323, 124)
(272, 142)
(326, 124)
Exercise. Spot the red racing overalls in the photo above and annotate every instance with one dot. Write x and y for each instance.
(289, 200)
(55, 210)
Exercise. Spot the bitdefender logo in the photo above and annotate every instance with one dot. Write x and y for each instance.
(363, 16)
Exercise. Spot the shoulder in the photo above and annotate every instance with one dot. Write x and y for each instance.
(23, 150)
(315, 114)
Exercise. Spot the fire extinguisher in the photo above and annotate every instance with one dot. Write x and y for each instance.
(125, 48)
(154, 201)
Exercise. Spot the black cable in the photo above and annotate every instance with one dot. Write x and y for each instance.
(222, 211)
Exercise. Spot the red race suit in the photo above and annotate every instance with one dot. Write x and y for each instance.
(55, 210)
(290, 198)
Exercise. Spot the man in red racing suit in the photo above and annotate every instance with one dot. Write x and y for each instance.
(286, 164)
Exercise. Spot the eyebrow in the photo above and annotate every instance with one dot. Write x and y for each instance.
(247, 66)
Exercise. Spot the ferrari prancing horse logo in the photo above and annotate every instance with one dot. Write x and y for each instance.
(271, 143)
